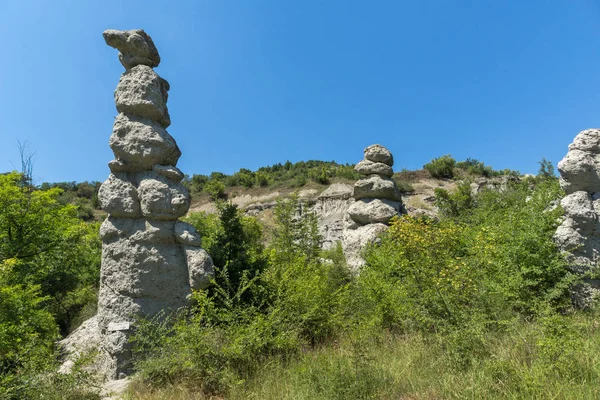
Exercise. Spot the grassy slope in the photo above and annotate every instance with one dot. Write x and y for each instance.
(516, 366)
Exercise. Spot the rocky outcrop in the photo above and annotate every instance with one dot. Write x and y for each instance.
(579, 234)
(135, 47)
(150, 260)
(330, 208)
(376, 199)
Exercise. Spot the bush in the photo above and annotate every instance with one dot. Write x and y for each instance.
(477, 168)
(215, 189)
(495, 257)
(27, 330)
(49, 271)
(454, 204)
(442, 167)
(405, 186)
(234, 243)
(296, 300)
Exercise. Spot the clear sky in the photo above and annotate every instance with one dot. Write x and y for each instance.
(256, 82)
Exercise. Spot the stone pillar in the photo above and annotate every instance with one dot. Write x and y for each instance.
(579, 234)
(150, 260)
(376, 200)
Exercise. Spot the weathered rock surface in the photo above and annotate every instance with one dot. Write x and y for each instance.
(135, 47)
(331, 207)
(150, 261)
(162, 198)
(373, 211)
(118, 197)
(366, 167)
(141, 143)
(356, 240)
(200, 267)
(141, 92)
(376, 199)
(579, 234)
(579, 170)
(376, 187)
(169, 171)
(186, 234)
(378, 153)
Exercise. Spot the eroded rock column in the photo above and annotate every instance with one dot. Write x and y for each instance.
(376, 200)
(579, 234)
(150, 260)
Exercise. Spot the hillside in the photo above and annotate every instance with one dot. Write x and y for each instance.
(456, 293)
(257, 192)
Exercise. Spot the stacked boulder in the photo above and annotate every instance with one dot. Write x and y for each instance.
(377, 199)
(150, 260)
(579, 234)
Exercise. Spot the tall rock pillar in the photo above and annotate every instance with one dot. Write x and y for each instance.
(376, 200)
(579, 234)
(150, 260)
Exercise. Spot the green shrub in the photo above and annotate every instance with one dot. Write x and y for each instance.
(234, 243)
(476, 167)
(405, 186)
(215, 189)
(27, 330)
(319, 175)
(296, 300)
(441, 167)
(454, 204)
(262, 179)
(495, 257)
(196, 183)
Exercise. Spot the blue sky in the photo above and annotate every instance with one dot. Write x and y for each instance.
(256, 82)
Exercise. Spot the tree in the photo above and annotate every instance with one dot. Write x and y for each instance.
(55, 252)
(32, 222)
(296, 233)
(234, 243)
(546, 170)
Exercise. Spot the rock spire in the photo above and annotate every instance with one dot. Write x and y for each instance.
(579, 234)
(376, 200)
(150, 260)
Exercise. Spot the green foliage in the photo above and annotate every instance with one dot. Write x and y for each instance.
(456, 203)
(234, 243)
(38, 378)
(27, 330)
(515, 365)
(215, 188)
(31, 221)
(83, 195)
(441, 167)
(355, 375)
(262, 179)
(196, 183)
(320, 176)
(296, 232)
(405, 186)
(546, 170)
(49, 269)
(296, 299)
(288, 174)
(476, 167)
(457, 289)
(492, 260)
